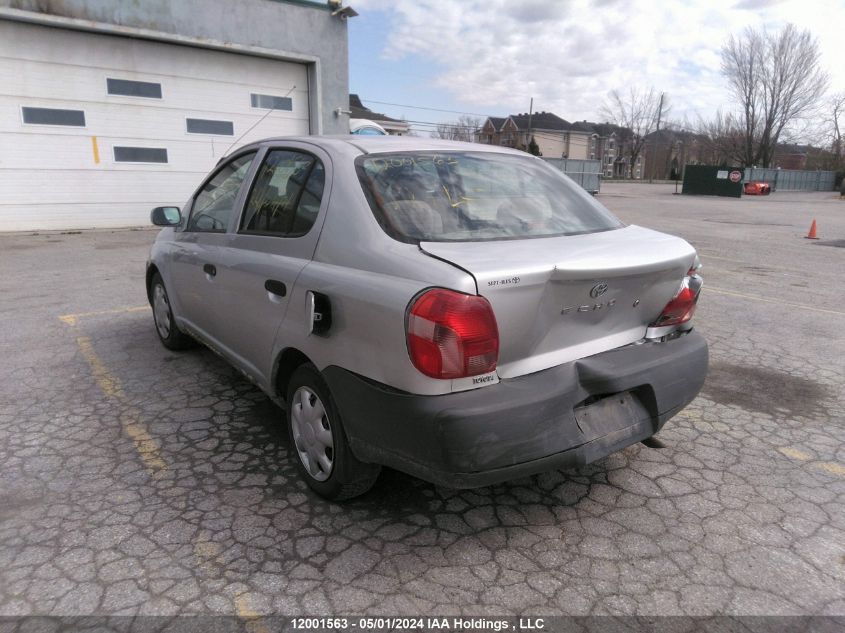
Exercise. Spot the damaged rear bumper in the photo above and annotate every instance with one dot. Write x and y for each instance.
(561, 417)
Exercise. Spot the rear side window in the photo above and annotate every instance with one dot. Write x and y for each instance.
(474, 196)
(286, 196)
(215, 202)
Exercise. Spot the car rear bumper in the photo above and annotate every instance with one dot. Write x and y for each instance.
(526, 425)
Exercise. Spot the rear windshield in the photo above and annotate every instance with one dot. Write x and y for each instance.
(473, 196)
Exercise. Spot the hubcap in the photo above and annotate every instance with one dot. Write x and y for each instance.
(312, 433)
(161, 311)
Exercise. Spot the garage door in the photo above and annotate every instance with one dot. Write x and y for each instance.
(97, 129)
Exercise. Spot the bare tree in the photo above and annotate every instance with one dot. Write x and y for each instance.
(776, 80)
(724, 139)
(639, 112)
(837, 123)
(464, 129)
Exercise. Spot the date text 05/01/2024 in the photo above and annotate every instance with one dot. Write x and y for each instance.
(419, 624)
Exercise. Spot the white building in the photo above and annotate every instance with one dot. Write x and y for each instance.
(110, 107)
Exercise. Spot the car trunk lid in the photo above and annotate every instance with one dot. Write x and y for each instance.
(558, 299)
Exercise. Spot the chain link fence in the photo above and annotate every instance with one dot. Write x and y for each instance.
(586, 173)
(792, 179)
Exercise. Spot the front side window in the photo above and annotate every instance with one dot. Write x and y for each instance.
(474, 196)
(286, 196)
(214, 204)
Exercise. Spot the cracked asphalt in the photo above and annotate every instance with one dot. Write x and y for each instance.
(138, 481)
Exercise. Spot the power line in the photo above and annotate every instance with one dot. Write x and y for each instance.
(404, 105)
(674, 125)
(444, 123)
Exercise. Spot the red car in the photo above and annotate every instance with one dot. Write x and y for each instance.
(757, 188)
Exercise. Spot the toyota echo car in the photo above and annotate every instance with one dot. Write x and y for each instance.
(463, 313)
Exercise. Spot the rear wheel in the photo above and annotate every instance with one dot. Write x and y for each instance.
(317, 437)
(168, 332)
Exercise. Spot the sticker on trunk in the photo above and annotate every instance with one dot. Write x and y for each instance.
(509, 281)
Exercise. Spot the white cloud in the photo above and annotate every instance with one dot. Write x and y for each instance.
(568, 55)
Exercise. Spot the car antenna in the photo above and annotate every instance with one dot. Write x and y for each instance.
(269, 110)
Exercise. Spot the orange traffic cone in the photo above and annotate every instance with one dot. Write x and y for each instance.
(812, 234)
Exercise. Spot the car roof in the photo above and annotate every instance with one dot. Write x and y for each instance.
(376, 144)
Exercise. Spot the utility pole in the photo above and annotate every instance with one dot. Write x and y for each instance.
(656, 138)
(530, 114)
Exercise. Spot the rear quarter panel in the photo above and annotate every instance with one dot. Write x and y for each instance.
(370, 279)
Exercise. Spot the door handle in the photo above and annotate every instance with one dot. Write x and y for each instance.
(276, 287)
(209, 269)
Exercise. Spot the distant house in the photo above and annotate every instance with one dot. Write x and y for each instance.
(491, 131)
(605, 145)
(611, 145)
(394, 127)
(790, 156)
(670, 150)
(558, 138)
(555, 137)
(500, 131)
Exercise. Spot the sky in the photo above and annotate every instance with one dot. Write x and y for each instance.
(490, 57)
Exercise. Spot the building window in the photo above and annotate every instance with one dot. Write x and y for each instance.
(209, 126)
(270, 102)
(53, 116)
(129, 88)
(140, 155)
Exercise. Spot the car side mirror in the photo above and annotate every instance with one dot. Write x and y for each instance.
(166, 216)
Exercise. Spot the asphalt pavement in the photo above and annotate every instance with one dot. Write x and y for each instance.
(139, 481)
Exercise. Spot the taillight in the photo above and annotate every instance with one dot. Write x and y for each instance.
(682, 306)
(452, 335)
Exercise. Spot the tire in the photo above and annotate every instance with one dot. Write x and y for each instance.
(318, 440)
(168, 332)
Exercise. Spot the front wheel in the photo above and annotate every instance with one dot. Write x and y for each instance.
(168, 332)
(323, 456)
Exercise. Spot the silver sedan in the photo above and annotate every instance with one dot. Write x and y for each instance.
(460, 312)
